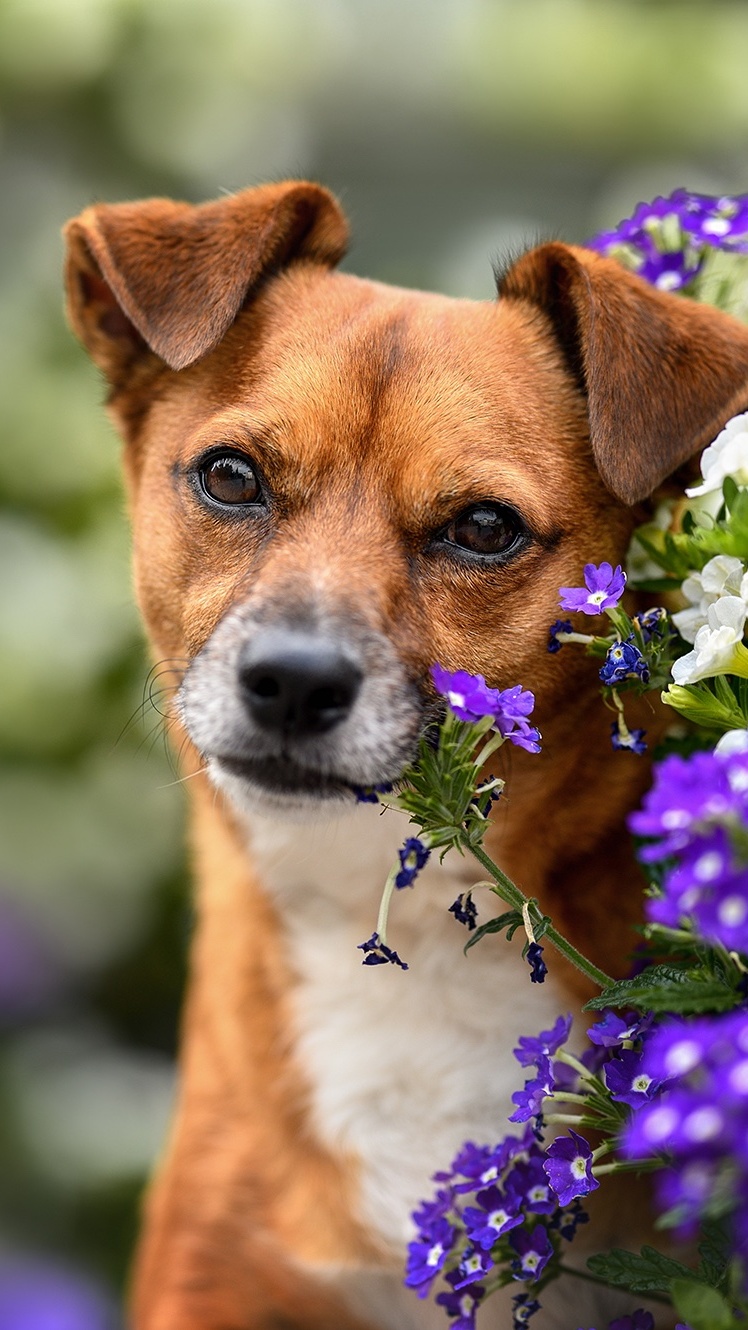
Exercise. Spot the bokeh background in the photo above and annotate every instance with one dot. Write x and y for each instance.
(454, 131)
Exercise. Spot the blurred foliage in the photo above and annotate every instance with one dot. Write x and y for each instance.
(452, 129)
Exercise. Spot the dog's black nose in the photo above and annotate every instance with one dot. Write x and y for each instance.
(297, 684)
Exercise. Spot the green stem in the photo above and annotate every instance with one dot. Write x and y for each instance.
(510, 893)
(596, 1279)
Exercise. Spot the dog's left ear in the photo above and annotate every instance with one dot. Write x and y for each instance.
(661, 374)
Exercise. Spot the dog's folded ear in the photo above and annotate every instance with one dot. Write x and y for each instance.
(661, 373)
(172, 277)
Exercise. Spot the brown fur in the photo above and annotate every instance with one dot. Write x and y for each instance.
(375, 416)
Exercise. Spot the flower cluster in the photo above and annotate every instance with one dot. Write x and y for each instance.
(471, 699)
(696, 816)
(667, 241)
(637, 652)
(699, 1119)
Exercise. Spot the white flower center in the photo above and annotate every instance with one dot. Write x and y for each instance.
(682, 1057)
(641, 1083)
(489, 1174)
(703, 1124)
(472, 1263)
(708, 866)
(597, 597)
(675, 818)
(732, 911)
(531, 1260)
(738, 1077)
(660, 1124)
(579, 1166)
(497, 1218)
(435, 1254)
(668, 281)
(456, 699)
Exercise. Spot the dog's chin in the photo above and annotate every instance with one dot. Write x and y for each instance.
(279, 788)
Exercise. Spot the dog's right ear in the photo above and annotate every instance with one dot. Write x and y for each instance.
(171, 277)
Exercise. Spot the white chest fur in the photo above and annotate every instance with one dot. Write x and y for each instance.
(404, 1066)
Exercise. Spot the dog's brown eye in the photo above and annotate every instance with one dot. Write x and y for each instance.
(229, 479)
(486, 528)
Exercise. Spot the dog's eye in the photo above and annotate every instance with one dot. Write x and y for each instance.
(229, 479)
(487, 528)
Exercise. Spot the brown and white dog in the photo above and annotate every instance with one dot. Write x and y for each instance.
(334, 483)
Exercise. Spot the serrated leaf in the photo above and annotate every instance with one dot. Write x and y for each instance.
(714, 1250)
(703, 1307)
(647, 1272)
(666, 988)
(512, 919)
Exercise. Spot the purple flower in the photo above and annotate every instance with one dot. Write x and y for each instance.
(529, 1101)
(427, 1255)
(538, 967)
(496, 1213)
(569, 1218)
(377, 953)
(482, 1164)
(628, 1081)
(688, 793)
(413, 855)
(569, 1167)
(632, 740)
(652, 623)
(528, 1184)
(36, 1295)
(468, 695)
(560, 626)
(523, 1307)
(369, 794)
(533, 1047)
(624, 661)
(602, 591)
(471, 699)
(639, 1320)
(473, 1266)
(678, 1047)
(462, 1304)
(534, 1250)
(464, 910)
(611, 1031)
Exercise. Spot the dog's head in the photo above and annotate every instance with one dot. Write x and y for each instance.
(335, 483)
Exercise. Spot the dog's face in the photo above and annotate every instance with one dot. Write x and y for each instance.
(347, 482)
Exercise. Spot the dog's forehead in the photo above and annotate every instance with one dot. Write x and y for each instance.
(419, 392)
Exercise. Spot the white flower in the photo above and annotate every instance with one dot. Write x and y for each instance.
(727, 456)
(724, 575)
(717, 643)
(734, 741)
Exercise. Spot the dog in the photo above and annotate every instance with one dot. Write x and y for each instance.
(334, 483)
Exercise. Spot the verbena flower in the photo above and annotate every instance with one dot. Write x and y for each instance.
(523, 1309)
(377, 953)
(427, 1255)
(462, 1304)
(533, 1252)
(628, 1080)
(464, 910)
(700, 1117)
(624, 661)
(603, 589)
(727, 456)
(531, 1048)
(559, 626)
(471, 699)
(569, 1167)
(612, 1030)
(496, 1212)
(624, 739)
(666, 241)
(538, 967)
(413, 855)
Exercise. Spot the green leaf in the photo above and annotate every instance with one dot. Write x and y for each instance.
(666, 988)
(703, 1307)
(730, 492)
(511, 921)
(714, 1250)
(649, 1272)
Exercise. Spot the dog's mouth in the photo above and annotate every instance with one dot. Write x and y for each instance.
(283, 777)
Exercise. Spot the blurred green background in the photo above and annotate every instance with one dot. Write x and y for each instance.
(454, 131)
